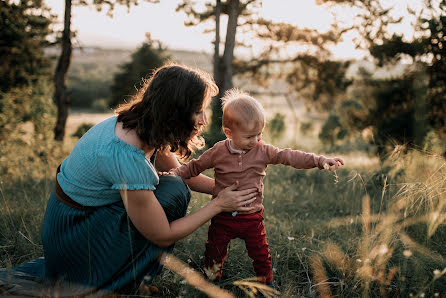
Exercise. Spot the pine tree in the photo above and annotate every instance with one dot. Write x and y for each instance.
(24, 32)
(144, 60)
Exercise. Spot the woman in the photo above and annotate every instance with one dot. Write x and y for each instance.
(111, 216)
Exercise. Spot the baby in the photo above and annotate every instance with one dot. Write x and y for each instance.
(242, 158)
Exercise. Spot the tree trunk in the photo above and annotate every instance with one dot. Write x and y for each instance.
(61, 95)
(217, 40)
(228, 54)
(223, 67)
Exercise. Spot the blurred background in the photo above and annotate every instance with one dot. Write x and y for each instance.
(341, 74)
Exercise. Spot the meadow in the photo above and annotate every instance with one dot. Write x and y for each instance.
(372, 229)
(375, 228)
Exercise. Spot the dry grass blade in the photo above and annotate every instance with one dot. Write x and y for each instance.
(192, 277)
(335, 255)
(251, 288)
(320, 277)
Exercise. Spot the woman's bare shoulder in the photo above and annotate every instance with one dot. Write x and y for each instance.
(127, 135)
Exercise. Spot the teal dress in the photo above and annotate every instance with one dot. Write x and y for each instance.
(99, 248)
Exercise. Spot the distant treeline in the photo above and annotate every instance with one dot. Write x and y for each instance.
(92, 71)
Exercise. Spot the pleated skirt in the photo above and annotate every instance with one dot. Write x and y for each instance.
(100, 248)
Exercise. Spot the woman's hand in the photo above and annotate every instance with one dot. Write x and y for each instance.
(230, 199)
(332, 164)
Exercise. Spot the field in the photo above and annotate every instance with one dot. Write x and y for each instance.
(370, 230)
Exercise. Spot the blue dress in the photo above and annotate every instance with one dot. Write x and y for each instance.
(99, 248)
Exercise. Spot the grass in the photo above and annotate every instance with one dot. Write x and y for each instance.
(370, 234)
(373, 230)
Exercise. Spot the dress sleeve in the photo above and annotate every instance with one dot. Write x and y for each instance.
(128, 169)
(196, 166)
(295, 158)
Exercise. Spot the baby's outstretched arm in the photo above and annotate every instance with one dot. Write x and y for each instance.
(332, 164)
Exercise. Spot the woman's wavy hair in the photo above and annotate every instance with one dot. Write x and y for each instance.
(162, 111)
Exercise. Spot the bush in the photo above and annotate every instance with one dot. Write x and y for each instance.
(82, 129)
(31, 103)
(276, 126)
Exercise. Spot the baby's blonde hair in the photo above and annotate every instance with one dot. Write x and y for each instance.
(241, 109)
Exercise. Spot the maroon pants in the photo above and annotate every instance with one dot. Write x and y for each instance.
(251, 229)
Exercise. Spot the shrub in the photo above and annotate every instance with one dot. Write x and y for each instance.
(82, 129)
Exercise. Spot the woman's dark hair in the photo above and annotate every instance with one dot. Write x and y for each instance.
(162, 111)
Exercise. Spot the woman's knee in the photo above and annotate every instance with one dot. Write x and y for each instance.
(174, 196)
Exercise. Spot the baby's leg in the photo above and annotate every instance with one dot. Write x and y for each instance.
(216, 250)
(258, 251)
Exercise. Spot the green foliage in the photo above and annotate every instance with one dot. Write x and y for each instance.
(391, 108)
(332, 130)
(394, 113)
(393, 49)
(322, 81)
(430, 50)
(306, 127)
(86, 87)
(433, 143)
(213, 134)
(82, 129)
(276, 126)
(90, 77)
(435, 46)
(31, 103)
(24, 28)
(26, 138)
(144, 60)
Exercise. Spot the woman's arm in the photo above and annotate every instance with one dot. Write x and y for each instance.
(201, 183)
(149, 218)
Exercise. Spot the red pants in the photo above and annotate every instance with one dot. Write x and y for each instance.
(251, 229)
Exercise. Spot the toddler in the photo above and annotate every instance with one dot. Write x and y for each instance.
(242, 158)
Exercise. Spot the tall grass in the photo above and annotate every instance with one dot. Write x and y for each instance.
(375, 232)
(27, 172)
(366, 232)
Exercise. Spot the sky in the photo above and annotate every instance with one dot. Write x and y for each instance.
(127, 29)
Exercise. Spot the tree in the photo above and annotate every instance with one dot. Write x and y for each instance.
(144, 60)
(223, 64)
(310, 73)
(434, 45)
(429, 52)
(421, 92)
(61, 95)
(24, 32)
(24, 68)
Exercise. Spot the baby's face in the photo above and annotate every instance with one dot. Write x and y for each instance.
(246, 137)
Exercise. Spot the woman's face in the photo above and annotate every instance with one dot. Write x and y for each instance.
(200, 118)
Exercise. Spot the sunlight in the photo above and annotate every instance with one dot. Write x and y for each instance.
(302, 13)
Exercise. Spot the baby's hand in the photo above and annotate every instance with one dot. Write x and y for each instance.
(332, 164)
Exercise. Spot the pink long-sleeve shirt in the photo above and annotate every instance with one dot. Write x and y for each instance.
(248, 168)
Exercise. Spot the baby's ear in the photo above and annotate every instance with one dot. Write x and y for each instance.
(227, 132)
